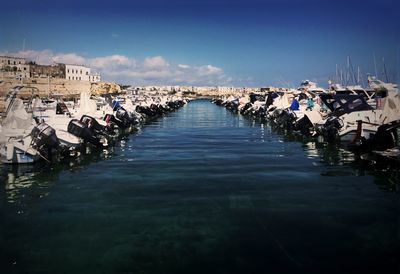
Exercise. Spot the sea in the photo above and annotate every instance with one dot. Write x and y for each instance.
(202, 190)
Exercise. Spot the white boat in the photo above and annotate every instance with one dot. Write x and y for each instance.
(18, 151)
(349, 110)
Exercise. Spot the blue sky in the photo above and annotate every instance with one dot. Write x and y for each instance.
(248, 43)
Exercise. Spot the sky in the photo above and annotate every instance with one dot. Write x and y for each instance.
(207, 42)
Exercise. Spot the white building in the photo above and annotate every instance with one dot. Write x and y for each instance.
(80, 73)
(14, 67)
(77, 73)
(94, 77)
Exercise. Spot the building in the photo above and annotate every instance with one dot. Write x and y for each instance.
(94, 78)
(45, 71)
(18, 68)
(14, 67)
(77, 73)
(80, 73)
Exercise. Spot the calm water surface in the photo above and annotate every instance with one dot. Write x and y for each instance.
(201, 190)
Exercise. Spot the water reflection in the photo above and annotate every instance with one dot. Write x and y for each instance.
(23, 184)
(386, 174)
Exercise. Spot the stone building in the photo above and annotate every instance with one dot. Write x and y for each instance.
(45, 71)
(14, 67)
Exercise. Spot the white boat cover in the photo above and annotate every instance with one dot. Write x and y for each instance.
(17, 117)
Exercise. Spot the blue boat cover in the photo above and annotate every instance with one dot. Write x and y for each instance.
(294, 105)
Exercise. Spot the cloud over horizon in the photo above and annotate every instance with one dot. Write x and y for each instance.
(152, 70)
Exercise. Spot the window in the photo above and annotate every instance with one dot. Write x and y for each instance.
(69, 77)
(68, 70)
(81, 71)
(9, 62)
(24, 68)
(87, 72)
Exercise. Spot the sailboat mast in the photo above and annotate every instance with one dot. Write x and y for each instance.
(384, 70)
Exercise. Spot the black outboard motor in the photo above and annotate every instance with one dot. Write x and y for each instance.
(286, 119)
(145, 110)
(122, 115)
(304, 125)
(245, 110)
(44, 140)
(218, 102)
(81, 130)
(44, 135)
(386, 137)
(93, 124)
(111, 120)
(233, 105)
(270, 100)
(261, 112)
(331, 128)
(156, 110)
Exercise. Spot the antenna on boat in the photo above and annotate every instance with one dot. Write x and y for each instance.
(361, 78)
(337, 74)
(348, 71)
(351, 71)
(397, 65)
(341, 78)
(384, 70)
(376, 71)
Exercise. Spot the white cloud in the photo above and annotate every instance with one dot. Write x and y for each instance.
(155, 62)
(151, 70)
(209, 70)
(111, 61)
(41, 57)
(69, 58)
(183, 66)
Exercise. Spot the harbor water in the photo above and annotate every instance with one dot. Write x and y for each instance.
(202, 190)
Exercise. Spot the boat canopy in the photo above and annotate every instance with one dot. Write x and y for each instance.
(257, 97)
(340, 104)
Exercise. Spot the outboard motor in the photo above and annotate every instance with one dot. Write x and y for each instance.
(261, 112)
(331, 128)
(44, 140)
(145, 110)
(304, 125)
(246, 108)
(81, 130)
(156, 110)
(111, 120)
(44, 135)
(287, 119)
(218, 102)
(93, 124)
(386, 137)
(233, 105)
(122, 115)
